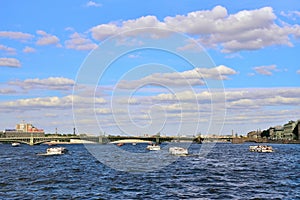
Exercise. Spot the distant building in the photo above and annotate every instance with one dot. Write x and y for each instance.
(296, 131)
(1, 133)
(288, 130)
(254, 134)
(279, 132)
(23, 130)
(276, 133)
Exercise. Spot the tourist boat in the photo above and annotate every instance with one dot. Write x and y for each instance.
(178, 151)
(261, 148)
(15, 144)
(153, 147)
(54, 151)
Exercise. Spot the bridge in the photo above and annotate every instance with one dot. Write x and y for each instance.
(38, 140)
(31, 140)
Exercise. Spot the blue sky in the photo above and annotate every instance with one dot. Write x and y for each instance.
(182, 59)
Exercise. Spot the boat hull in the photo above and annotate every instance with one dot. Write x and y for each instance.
(153, 148)
(261, 149)
(178, 151)
(54, 151)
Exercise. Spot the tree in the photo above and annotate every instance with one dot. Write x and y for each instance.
(265, 133)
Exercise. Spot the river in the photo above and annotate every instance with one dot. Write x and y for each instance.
(228, 171)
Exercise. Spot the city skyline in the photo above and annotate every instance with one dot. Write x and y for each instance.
(209, 67)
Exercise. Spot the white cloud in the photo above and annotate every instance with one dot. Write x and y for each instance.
(51, 83)
(291, 14)
(262, 98)
(134, 56)
(7, 91)
(247, 108)
(16, 35)
(69, 29)
(28, 50)
(47, 39)
(54, 102)
(242, 98)
(79, 42)
(128, 101)
(266, 70)
(9, 62)
(188, 78)
(220, 72)
(179, 96)
(244, 30)
(36, 103)
(93, 4)
(103, 31)
(253, 105)
(191, 45)
(298, 72)
(158, 79)
(8, 50)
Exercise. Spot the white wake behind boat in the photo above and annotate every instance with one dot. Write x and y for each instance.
(261, 148)
(178, 151)
(15, 144)
(54, 151)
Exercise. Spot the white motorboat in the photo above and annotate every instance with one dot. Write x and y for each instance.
(54, 151)
(15, 144)
(153, 147)
(178, 151)
(261, 148)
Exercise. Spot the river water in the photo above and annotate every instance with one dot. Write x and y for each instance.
(228, 171)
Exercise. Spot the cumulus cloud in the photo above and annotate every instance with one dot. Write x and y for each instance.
(79, 42)
(9, 62)
(244, 30)
(51, 83)
(16, 35)
(8, 50)
(291, 14)
(36, 103)
(237, 97)
(103, 31)
(262, 97)
(55, 102)
(7, 91)
(93, 4)
(192, 77)
(266, 70)
(244, 105)
(28, 50)
(47, 39)
(191, 45)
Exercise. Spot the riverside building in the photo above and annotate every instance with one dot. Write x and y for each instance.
(23, 130)
(289, 131)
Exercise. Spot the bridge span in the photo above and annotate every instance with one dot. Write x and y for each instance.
(31, 140)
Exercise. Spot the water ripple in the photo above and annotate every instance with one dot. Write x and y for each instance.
(227, 172)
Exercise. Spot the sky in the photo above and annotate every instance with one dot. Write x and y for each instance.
(127, 67)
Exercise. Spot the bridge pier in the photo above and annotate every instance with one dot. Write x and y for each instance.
(31, 142)
(100, 140)
(157, 140)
